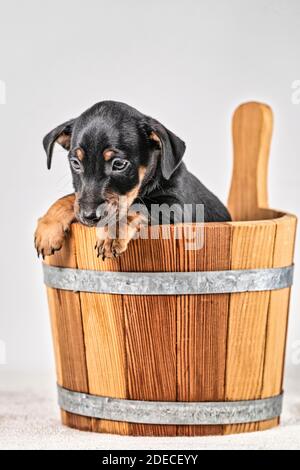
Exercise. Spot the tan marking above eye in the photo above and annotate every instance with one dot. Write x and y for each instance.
(80, 154)
(108, 154)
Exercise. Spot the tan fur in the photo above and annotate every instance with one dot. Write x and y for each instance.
(133, 193)
(64, 140)
(108, 247)
(155, 137)
(53, 226)
(80, 154)
(111, 197)
(76, 205)
(108, 154)
(114, 198)
(142, 173)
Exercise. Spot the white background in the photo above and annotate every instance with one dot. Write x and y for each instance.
(188, 63)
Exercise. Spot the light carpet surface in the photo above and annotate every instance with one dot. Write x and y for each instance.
(29, 419)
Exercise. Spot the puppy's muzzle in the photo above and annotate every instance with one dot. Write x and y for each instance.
(89, 217)
(89, 214)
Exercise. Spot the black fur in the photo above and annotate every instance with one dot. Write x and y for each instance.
(115, 125)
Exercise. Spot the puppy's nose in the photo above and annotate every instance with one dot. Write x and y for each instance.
(90, 215)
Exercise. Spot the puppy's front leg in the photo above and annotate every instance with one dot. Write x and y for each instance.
(53, 226)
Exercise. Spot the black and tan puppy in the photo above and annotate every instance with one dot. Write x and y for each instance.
(114, 150)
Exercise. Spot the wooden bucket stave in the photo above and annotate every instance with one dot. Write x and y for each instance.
(183, 348)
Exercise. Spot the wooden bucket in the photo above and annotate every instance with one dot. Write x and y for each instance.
(180, 362)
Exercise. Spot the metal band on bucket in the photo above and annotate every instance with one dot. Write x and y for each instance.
(168, 283)
(161, 412)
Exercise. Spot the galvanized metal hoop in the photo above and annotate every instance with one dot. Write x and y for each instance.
(168, 283)
(157, 412)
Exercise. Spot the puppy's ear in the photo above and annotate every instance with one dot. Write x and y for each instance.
(172, 148)
(62, 135)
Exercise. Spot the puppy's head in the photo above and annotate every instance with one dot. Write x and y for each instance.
(114, 151)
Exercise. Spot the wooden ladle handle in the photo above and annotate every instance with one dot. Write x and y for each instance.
(252, 131)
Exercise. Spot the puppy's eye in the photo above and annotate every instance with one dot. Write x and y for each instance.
(76, 165)
(119, 164)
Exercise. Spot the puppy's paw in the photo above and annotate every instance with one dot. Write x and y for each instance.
(119, 246)
(49, 236)
(110, 248)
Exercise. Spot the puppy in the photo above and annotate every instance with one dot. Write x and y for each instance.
(118, 154)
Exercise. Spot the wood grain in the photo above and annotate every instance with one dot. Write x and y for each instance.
(150, 323)
(252, 131)
(252, 247)
(67, 332)
(202, 328)
(103, 325)
(276, 330)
